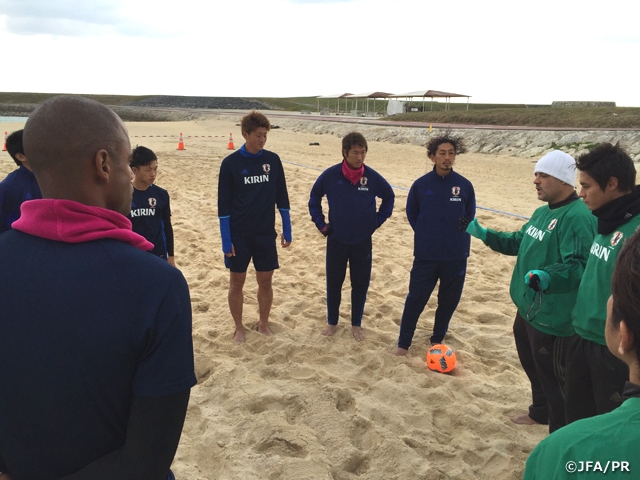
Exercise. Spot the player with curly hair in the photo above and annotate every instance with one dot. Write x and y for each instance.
(435, 204)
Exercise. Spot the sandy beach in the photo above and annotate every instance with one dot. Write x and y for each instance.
(302, 406)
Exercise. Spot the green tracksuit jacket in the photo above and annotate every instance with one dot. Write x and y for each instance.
(590, 312)
(557, 241)
(604, 446)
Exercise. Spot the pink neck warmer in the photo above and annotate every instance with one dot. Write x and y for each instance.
(72, 222)
(352, 175)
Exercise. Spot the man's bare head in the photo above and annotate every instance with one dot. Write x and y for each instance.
(80, 151)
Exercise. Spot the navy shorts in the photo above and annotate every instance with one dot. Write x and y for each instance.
(262, 248)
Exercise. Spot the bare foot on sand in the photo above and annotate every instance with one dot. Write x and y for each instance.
(238, 336)
(400, 352)
(265, 330)
(358, 333)
(329, 330)
(524, 419)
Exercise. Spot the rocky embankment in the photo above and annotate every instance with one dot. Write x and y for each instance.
(529, 143)
(16, 109)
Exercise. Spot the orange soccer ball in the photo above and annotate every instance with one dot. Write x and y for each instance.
(441, 358)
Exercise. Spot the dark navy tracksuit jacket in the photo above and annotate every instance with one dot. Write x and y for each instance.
(353, 219)
(352, 208)
(434, 207)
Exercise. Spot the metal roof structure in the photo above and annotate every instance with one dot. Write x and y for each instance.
(432, 94)
(337, 95)
(369, 95)
(372, 95)
(429, 93)
(384, 95)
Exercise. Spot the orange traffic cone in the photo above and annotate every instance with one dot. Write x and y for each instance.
(230, 144)
(4, 148)
(181, 143)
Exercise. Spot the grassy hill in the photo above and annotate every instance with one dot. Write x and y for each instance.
(478, 114)
(596, 117)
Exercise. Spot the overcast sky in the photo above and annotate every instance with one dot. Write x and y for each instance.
(495, 51)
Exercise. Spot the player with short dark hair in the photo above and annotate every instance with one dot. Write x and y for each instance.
(351, 188)
(96, 351)
(19, 186)
(605, 445)
(150, 208)
(595, 378)
(15, 148)
(251, 184)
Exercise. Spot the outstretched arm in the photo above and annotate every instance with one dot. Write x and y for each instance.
(507, 243)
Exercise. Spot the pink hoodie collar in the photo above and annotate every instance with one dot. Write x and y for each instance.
(352, 175)
(72, 222)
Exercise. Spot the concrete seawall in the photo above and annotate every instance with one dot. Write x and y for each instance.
(529, 143)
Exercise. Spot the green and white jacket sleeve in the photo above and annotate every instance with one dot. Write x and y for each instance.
(507, 243)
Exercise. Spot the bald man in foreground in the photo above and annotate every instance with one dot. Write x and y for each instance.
(96, 355)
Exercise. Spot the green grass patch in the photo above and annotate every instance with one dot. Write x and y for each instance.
(595, 117)
(291, 104)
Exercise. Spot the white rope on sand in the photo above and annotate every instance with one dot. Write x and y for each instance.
(396, 187)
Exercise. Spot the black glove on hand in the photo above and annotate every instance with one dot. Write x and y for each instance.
(534, 283)
(464, 222)
(326, 230)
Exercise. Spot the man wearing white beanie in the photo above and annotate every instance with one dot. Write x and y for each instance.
(552, 250)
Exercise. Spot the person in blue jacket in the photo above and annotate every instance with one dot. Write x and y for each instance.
(150, 206)
(19, 186)
(351, 188)
(435, 204)
(250, 187)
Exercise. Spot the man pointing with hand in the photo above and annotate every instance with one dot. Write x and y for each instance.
(552, 250)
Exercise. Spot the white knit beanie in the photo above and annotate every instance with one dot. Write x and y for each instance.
(558, 164)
